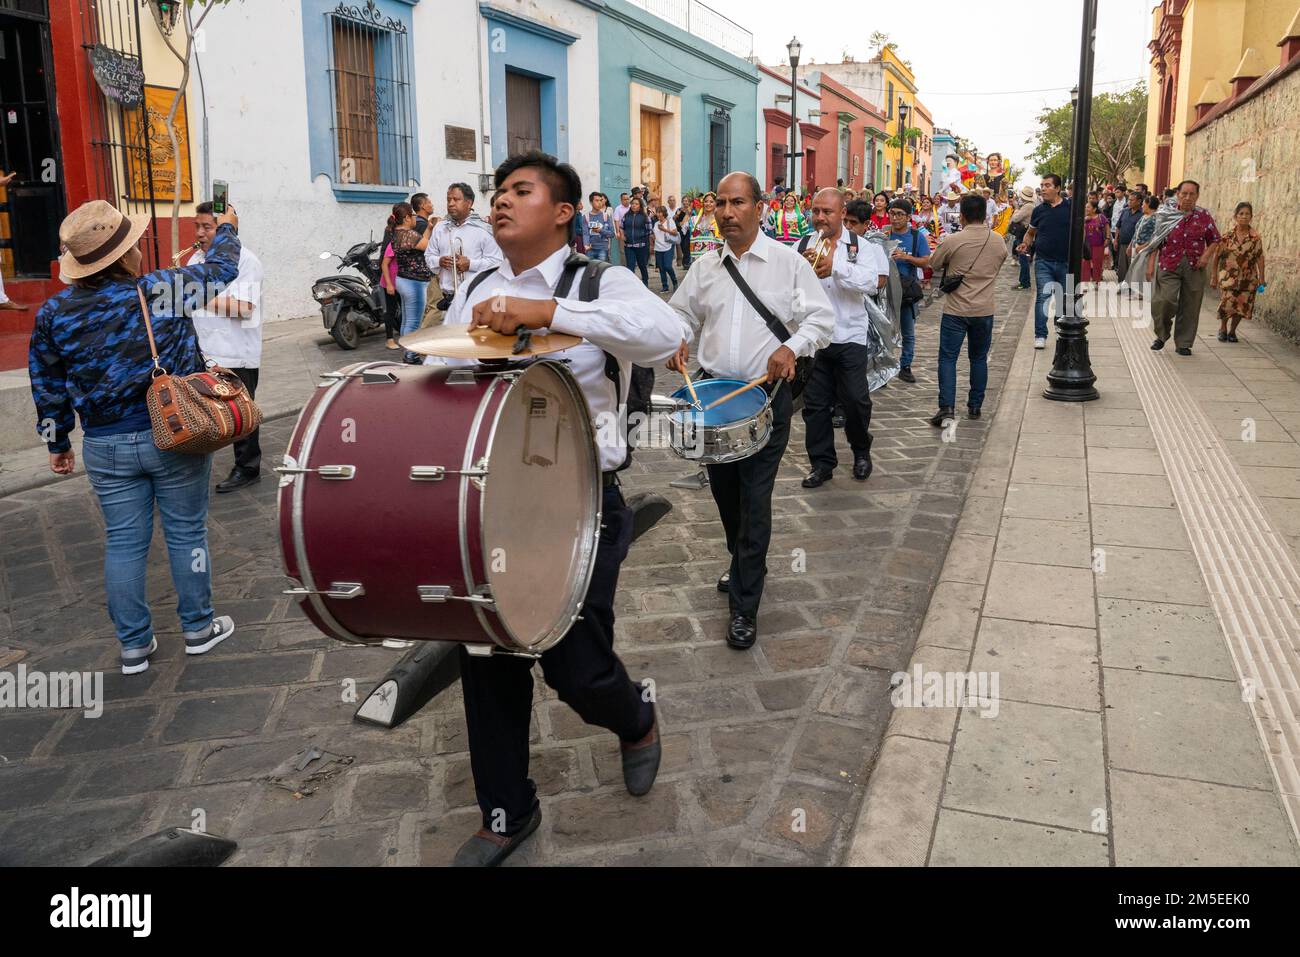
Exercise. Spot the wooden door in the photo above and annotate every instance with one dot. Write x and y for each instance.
(651, 161)
(523, 113)
(356, 127)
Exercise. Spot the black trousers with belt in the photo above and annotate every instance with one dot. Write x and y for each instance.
(582, 668)
(248, 450)
(743, 491)
(839, 374)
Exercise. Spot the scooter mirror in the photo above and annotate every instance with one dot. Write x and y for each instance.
(326, 255)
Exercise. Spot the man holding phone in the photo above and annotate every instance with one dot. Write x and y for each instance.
(229, 328)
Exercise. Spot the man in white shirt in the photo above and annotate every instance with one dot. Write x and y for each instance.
(229, 329)
(532, 213)
(672, 208)
(461, 247)
(735, 342)
(852, 270)
(949, 214)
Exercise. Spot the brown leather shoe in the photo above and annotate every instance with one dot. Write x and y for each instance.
(487, 849)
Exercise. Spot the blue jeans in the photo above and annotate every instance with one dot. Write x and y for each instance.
(414, 292)
(602, 253)
(907, 324)
(1024, 269)
(638, 258)
(664, 263)
(1049, 275)
(978, 331)
(129, 474)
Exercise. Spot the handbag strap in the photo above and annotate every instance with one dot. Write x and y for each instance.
(148, 327)
(774, 325)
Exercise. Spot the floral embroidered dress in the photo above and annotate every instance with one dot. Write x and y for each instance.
(705, 237)
(788, 226)
(1239, 262)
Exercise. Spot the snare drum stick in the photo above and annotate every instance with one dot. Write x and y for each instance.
(735, 392)
(687, 376)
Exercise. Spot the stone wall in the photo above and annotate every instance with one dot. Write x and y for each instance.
(1250, 154)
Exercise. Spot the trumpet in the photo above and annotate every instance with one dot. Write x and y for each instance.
(176, 258)
(457, 249)
(822, 248)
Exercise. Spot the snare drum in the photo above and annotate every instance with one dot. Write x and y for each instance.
(431, 503)
(735, 430)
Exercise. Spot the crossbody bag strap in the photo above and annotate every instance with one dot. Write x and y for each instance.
(148, 326)
(774, 325)
(477, 280)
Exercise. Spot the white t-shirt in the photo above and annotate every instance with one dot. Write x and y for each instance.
(666, 235)
(235, 342)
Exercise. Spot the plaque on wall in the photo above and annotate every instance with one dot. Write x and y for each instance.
(120, 77)
(158, 101)
(461, 143)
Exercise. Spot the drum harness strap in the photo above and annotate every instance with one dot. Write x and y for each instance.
(588, 291)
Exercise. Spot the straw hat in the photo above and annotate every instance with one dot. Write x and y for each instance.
(952, 195)
(1027, 193)
(96, 235)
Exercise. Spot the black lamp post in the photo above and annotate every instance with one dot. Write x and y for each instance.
(902, 138)
(1072, 378)
(794, 48)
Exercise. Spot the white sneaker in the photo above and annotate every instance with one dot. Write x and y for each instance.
(1040, 343)
(137, 659)
(220, 629)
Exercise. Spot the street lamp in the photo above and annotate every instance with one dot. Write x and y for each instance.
(793, 48)
(902, 138)
(165, 14)
(1072, 378)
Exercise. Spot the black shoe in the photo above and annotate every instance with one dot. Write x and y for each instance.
(837, 421)
(816, 478)
(942, 417)
(238, 479)
(486, 849)
(862, 468)
(641, 761)
(742, 632)
(972, 412)
(905, 373)
(1223, 336)
(1232, 337)
(1157, 345)
(724, 583)
(1183, 352)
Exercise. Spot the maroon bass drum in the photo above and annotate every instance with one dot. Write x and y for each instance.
(431, 503)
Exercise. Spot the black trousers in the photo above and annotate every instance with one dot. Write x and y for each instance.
(840, 372)
(248, 450)
(743, 492)
(583, 670)
(392, 315)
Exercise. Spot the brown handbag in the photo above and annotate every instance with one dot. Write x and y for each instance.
(198, 413)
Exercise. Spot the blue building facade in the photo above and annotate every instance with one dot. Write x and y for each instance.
(676, 112)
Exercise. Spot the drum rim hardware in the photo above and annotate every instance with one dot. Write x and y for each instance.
(339, 590)
(291, 469)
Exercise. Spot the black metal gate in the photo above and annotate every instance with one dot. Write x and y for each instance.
(121, 166)
(29, 140)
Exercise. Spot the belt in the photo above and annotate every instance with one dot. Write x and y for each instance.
(609, 479)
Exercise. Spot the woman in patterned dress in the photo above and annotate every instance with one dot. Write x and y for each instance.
(1238, 272)
(704, 234)
(788, 224)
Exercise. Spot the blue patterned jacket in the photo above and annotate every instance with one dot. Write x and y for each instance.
(90, 351)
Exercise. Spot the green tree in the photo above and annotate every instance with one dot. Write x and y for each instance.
(1117, 140)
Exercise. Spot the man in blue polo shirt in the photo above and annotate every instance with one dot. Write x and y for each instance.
(1048, 238)
(912, 251)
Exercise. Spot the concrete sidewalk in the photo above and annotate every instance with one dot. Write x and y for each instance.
(294, 354)
(1126, 571)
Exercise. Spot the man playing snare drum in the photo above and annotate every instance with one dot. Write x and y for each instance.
(533, 212)
(737, 343)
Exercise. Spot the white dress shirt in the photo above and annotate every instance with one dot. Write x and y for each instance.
(849, 281)
(734, 340)
(234, 342)
(627, 320)
(476, 245)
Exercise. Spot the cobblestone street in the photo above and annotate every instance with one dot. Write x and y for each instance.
(756, 742)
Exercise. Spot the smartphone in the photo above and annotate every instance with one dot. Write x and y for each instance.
(220, 195)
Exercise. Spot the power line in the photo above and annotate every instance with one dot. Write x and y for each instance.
(1046, 89)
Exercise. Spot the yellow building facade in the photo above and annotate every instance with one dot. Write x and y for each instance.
(1204, 52)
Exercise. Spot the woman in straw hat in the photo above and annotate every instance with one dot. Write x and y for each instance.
(90, 354)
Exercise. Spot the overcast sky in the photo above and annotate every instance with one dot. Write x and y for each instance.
(969, 58)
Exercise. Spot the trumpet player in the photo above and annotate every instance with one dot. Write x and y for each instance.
(848, 270)
(229, 328)
(460, 248)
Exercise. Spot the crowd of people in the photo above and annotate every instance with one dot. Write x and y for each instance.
(849, 259)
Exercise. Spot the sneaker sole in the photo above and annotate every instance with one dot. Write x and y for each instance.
(141, 664)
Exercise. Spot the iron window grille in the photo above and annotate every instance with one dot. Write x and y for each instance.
(371, 113)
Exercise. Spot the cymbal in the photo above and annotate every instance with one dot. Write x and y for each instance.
(459, 342)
